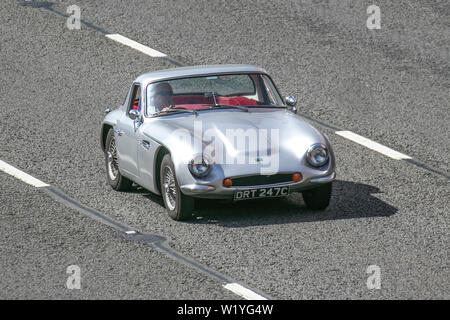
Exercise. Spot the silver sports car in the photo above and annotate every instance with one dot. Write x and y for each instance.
(218, 132)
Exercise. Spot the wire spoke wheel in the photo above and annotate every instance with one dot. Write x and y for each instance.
(169, 188)
(113, 164)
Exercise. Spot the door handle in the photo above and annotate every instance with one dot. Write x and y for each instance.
(145, 144)
(119, 133)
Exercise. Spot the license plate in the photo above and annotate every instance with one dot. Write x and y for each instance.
(261, 193)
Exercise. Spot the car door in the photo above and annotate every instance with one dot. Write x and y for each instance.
(126, 137)
(147, 147)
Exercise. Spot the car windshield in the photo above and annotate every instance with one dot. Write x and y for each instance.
(239, 91)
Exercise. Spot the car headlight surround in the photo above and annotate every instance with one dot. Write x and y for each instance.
(200, 166)
(317, 155)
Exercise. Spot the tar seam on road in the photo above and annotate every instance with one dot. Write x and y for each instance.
(427, 168)
(58, 195)
(156, 241)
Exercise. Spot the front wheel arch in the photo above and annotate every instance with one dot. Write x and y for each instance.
(178, 206)
(104, 134)
(162, 151)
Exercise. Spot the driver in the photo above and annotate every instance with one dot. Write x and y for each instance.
(162, 97)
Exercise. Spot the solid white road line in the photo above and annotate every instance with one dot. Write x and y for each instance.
(9, 169)
(135, 45)
(373, 145)
(243, 292)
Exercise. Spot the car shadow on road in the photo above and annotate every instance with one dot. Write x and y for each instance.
(147, 194)
(349, 200)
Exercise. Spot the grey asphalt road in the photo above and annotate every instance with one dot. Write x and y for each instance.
(390, 85)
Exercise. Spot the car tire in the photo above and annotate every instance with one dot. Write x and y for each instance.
(318, 198)
(179, 206)
(115, 179)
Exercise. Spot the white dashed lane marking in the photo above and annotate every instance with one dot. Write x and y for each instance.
(243, 291)
(136, 45)
(373, 145)
(25, 177)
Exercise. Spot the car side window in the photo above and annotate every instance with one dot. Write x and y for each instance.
(135, 98)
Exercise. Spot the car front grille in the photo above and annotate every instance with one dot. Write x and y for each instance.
(260, 180)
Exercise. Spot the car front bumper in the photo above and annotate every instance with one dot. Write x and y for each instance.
(218, 191)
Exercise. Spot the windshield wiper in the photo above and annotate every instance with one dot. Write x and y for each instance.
(178, 110)
(226, 106)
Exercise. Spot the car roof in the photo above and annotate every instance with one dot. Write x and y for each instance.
(196, 71)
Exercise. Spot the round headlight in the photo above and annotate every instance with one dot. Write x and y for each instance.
(200, 166)
(317, 155)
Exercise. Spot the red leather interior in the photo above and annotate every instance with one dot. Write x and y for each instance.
(136, 105)
(237, 101)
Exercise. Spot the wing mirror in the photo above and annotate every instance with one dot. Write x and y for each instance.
(291, 102)
(134, 114)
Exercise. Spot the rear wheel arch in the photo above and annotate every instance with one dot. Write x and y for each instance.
(114, 177)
